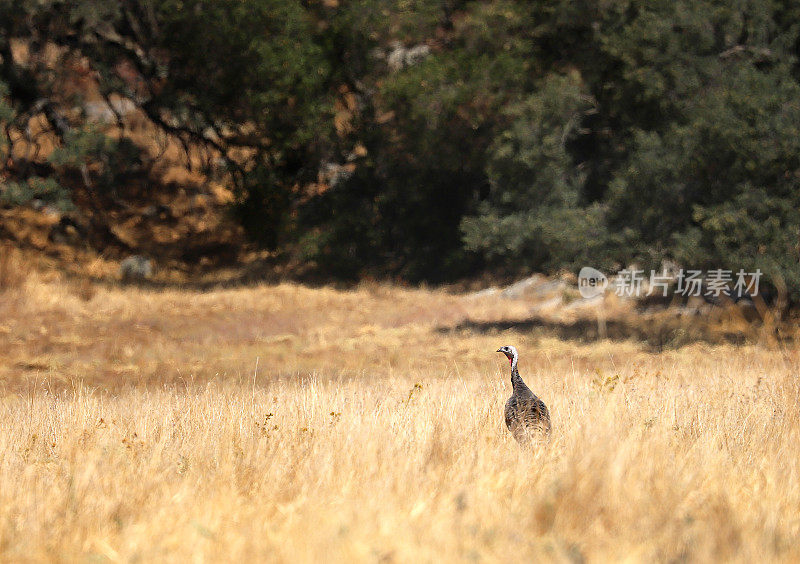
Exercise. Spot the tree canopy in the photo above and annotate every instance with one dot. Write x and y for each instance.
(432, 140)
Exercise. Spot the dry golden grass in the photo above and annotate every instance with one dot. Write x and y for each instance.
(13, 269)
(285, 423)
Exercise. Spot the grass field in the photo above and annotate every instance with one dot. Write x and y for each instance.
(285, 423)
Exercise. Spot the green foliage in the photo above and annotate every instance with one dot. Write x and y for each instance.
(718, 186)
(82, 147)
(255, 69)
(233, 61)
(689, 152)
(7, 112)
(521, 136)
(46, 190)
(425, 169)
(533, 216)
(249, 80)
(109, 159)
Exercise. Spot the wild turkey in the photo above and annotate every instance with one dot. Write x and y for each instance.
(526, 414)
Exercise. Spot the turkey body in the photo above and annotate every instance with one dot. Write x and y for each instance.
(526, 415)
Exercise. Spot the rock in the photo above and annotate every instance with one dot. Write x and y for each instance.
(533, 286)
(550, 303)
(521, 287)
(334, 173)
(549, 287)
(536, 286)
(585, 302)
(399, 57)
(136, 267)
(45, 208)
(100, 112)
(417, 54)
(485, 292)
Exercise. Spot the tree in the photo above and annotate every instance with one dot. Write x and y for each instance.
(426, 128)
(243, 80)
(688, 151)
(533, 217)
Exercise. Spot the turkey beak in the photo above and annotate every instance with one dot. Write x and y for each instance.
(499, 350)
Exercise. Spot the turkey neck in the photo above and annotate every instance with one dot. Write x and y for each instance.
(516, 379)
